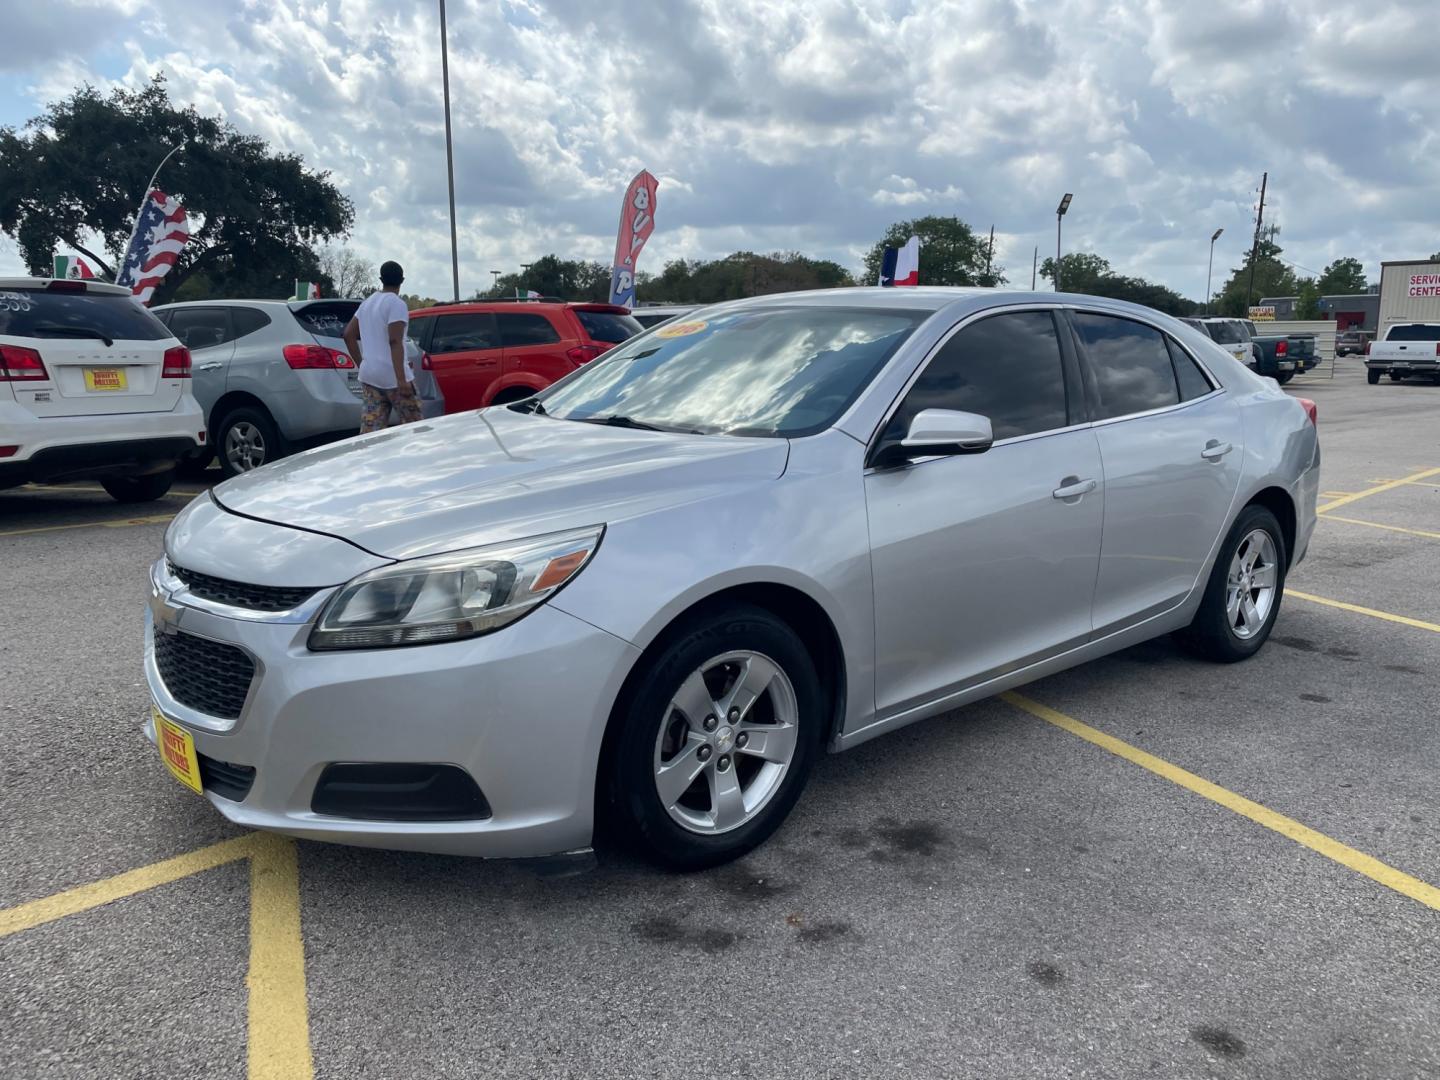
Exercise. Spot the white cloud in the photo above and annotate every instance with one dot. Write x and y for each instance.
(811, 124)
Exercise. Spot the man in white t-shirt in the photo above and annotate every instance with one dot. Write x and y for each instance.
(375, 337)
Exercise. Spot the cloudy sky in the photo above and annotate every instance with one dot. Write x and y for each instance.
(806, 124)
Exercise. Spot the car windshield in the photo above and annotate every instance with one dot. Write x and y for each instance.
(1226, 333)
(608, 326)
(1414, 332)
(780, 372)
(44, 314)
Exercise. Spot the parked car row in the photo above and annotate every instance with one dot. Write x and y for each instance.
(1279, 356)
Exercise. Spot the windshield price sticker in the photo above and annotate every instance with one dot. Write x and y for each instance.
(684, 329)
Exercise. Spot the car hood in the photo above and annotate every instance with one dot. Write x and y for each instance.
(489, 476)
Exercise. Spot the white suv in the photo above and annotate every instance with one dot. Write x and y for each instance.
(91, 385)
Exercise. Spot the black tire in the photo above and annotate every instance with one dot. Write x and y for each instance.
(512, 395)
(1283, 377)
(253, 423)
(196, 466)
(138, 489)
(1396, 377)
(1372, 376)
(1210, 633)
(631, 810)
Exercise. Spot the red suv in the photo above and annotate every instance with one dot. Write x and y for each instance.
(489, 352)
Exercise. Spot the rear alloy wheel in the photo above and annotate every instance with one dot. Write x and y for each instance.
(717, 741)
(138, 489)
(1372, 376)
(1242, 597)
(246, 439)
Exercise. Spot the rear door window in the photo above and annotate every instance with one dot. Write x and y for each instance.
(608, 326)
(40, 313)
(464, 332)
(525, 328)
(201, 327)
(1005, 367)
(1130, 362)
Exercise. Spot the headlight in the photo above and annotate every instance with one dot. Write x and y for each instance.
(456, 595)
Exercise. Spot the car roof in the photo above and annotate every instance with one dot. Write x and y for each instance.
(488, 307)
(293, 305)
(104, 288)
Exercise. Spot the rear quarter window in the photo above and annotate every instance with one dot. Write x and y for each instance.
(39, 313)
(608, 326)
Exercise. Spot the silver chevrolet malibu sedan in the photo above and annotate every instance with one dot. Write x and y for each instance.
(642, 602)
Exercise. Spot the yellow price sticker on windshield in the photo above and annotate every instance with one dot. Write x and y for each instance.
(682, 329)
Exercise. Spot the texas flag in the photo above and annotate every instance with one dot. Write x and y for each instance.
(901, 266)
(160, 235)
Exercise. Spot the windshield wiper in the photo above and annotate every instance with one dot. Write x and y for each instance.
(73, 331)
(618, 421)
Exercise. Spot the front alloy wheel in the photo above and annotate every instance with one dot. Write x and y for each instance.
(713, 739)
(726, 742)
(1250, 584)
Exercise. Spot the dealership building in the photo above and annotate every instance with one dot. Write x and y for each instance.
(1356, 312)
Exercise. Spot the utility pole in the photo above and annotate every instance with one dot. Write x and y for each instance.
(449, 154)
(1034, 266)
(1255, 247)
(989, 254)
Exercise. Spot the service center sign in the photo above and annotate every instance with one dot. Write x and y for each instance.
(1424, 285)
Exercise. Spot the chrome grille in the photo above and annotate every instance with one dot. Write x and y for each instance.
(240, 594)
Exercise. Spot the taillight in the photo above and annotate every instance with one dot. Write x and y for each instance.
(9, 451)
(308, 357)
(21, 365)
(583, 354)
(177, 363)
(425, 363)
(1281, 348)
(1309, 410)
(1367, 346)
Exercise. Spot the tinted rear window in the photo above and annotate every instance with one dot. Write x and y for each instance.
(1408, 332)
(1225, 333)
(608, 326)
(327, 319)
(42, 314)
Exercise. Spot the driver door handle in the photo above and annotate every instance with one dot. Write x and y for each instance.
(1073, 487)
(1215, 450)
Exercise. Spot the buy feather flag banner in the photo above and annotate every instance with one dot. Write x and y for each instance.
(159, 237)
(72, 266)
(637, 222)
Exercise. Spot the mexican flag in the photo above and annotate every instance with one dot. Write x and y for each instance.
(306, 290)
(72, 266)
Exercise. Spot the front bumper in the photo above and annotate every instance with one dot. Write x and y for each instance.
(523, 711)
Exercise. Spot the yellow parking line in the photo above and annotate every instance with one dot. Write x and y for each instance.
(74, 901)
(1377, 525)
(279, 1013)
(1346, 856)
(279, 1022)
(118, 523)
(1376, 490)
(1403, 620)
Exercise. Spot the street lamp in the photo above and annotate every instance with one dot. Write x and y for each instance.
(494, 280)
(1059, 216)
(1210, 267)
(449, 154)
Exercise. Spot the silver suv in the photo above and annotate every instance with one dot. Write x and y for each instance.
(273, 376)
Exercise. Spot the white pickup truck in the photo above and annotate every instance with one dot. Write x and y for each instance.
(1406, 349)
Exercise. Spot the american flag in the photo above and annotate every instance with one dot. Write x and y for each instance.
(160, 234)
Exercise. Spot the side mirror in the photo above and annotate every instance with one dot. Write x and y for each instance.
(939, 431)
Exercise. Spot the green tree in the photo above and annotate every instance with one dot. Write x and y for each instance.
(1272, 278)
(1343, 277)
(1080, 271)
(551, 275)
(1307, 306)
(80, 169)
(950, 253)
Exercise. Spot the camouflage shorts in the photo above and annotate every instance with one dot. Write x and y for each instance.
(379, 402)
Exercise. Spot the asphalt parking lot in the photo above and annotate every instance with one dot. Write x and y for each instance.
(982, 895)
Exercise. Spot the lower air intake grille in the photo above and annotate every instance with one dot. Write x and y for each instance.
(224, 779)
(207, 676)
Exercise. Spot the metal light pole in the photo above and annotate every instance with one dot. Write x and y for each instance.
(494, 280)
(1210, 267)
(449, 153)
(1059, 217)
(1034, 266)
